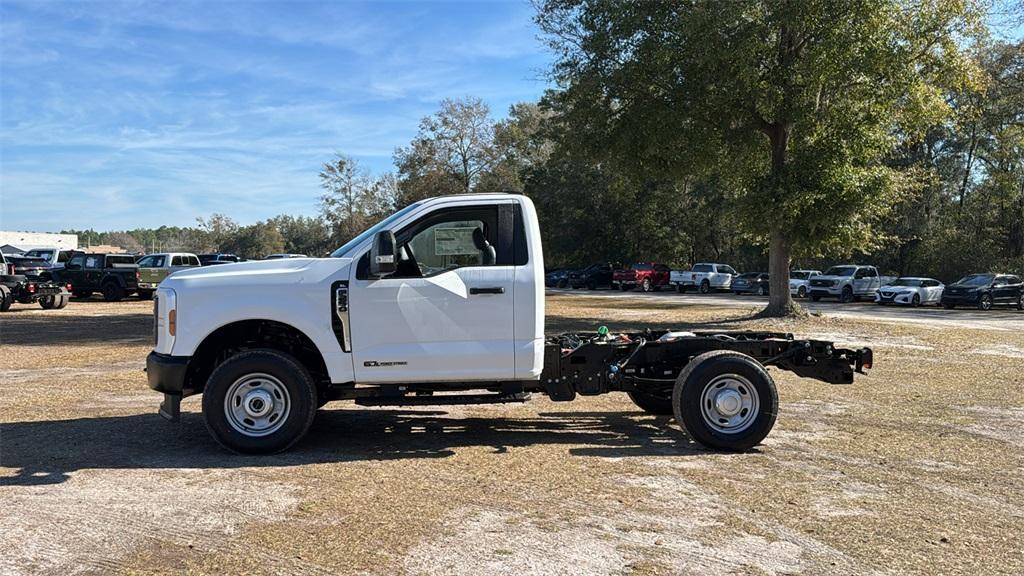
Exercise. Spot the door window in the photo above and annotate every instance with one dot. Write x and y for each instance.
(447, 240)
(177, 261)
(78, 260)
(153, 261)
(93, 262)
(193, 261)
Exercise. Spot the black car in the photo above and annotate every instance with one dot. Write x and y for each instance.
(751, 283)
(557, 278)
(594, 276)
(218, 258)
(983, 291)
(114, 275)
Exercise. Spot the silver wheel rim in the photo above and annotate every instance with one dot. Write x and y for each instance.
(257, 405)
(729, 404)
(986, 303)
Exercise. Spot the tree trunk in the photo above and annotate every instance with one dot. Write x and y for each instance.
(779, 301)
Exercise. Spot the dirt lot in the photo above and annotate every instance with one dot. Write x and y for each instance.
(915, 469)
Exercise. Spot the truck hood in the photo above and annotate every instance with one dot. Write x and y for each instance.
(280, 271)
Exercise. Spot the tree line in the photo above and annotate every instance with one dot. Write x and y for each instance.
(764, 134)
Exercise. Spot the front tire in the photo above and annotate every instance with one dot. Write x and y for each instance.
(652, 403)
(646, 285)
(916, 300)
(801, 292)
(761, 291)
(259, 402)
(847, 295)
(985, 302)
(725, 400)
(705, 287)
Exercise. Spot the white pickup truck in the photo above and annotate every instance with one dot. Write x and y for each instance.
(705, 276)
(442, 303)
(847, 282)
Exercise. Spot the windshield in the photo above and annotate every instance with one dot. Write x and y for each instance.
(841, 271)
(976, 280)
(47, 254)
(905, 282)
(372, 230)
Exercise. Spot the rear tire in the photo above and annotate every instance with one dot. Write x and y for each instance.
(113, 292)
(652, 403)
(725, 400)
(259, 402)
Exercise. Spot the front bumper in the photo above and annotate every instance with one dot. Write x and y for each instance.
(965, 299)
(166, 373)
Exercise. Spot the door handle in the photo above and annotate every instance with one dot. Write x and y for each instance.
(494, 290)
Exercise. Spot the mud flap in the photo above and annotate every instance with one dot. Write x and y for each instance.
(170, 408)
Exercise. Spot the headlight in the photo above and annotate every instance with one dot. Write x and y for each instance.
(835, 282)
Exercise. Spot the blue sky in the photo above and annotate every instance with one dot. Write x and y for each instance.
(138, 114)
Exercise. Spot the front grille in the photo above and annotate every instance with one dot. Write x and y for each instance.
(821, 283)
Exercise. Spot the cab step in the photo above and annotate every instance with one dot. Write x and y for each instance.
(443, 399)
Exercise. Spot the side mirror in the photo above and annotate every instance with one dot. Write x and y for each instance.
(382, 255)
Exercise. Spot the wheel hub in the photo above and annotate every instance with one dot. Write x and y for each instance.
(257, 403)
(728, 402)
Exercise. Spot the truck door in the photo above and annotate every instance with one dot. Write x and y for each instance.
(446, 314)
(93, 270)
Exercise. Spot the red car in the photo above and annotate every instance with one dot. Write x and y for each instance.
(644, 275)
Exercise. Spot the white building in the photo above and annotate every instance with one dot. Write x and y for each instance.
(28, 240)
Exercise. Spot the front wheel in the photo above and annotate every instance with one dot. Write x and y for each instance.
(259, 402)
(705, 287)
(761, 291)
(725, 400)
(985, 302)
(801, 292)
(847, 295)
(916, 300)
(646, 285)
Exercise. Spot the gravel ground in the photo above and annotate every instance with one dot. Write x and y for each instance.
(915, 469)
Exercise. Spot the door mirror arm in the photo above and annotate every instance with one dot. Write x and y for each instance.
(383, 257)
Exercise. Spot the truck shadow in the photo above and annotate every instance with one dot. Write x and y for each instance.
(44, 329)
(47, 452)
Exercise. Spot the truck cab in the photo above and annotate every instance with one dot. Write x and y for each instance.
(154, 268)
(440, 303)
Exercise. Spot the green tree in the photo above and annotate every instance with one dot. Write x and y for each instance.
(353, 201)
(794, 104)
(255, 242)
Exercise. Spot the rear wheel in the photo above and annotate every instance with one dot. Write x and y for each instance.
(113, 292)
(725, 400)
(259, 402)
(652, 403)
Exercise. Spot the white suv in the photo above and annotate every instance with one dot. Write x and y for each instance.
(705, 276)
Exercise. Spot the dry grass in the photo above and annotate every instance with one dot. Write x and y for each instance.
(914, 469)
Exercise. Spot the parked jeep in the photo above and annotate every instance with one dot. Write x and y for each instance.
(153, 268)
(116, 276)
(983, 291)
(847, 283)
(704, 276)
